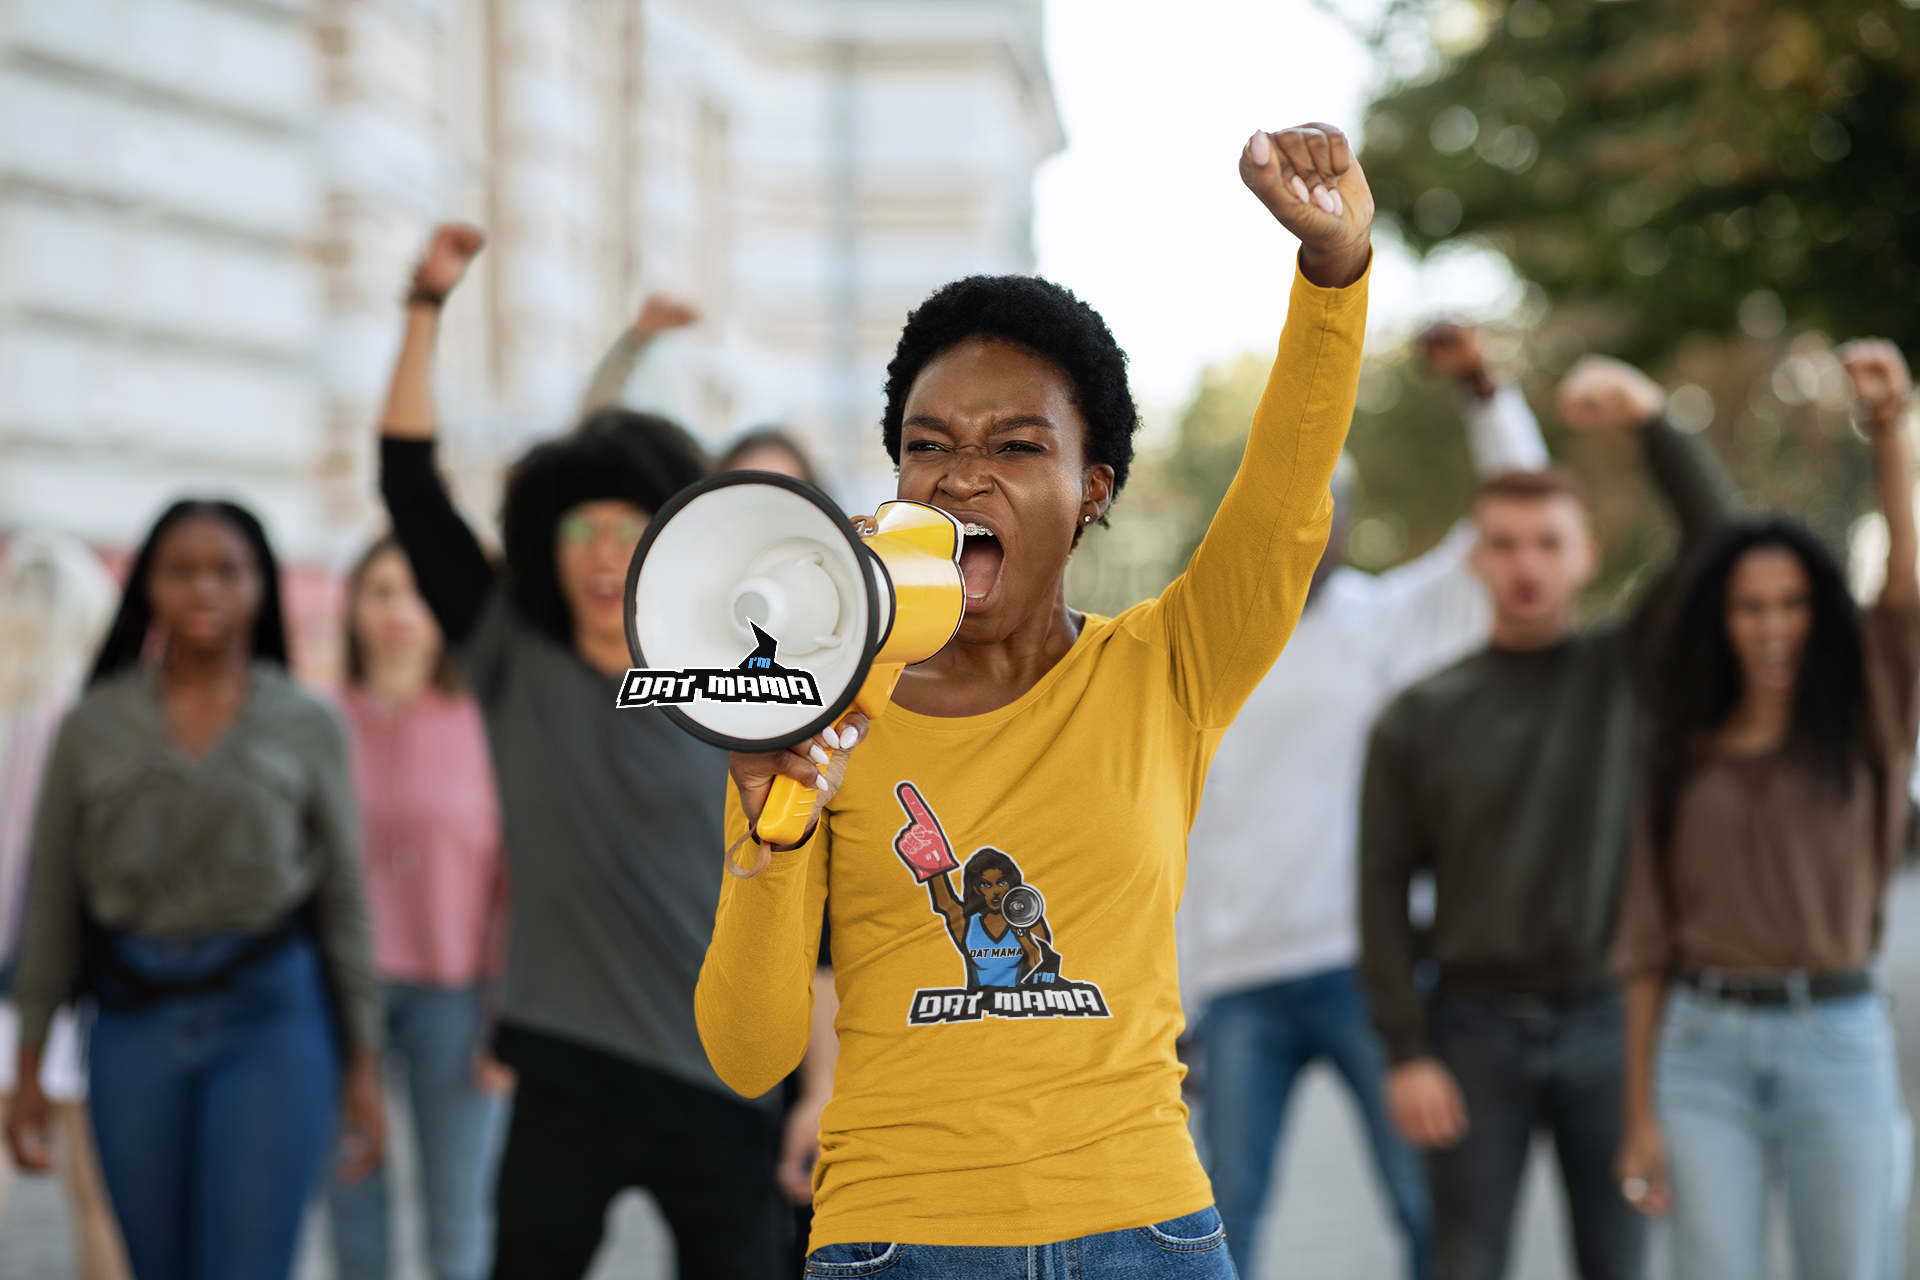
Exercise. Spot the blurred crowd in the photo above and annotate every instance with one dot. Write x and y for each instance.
(1619, 883)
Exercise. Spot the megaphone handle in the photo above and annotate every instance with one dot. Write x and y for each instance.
(789, 806)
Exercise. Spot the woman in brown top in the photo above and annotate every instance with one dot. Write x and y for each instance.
(1785, 724)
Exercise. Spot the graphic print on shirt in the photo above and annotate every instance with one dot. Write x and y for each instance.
(998, 923)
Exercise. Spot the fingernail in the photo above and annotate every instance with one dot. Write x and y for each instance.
(1322, 200)
(820, 782)
(1259, 149)
(819, 757)
(847, 739)
(833, 739)
(1300, 189)
(1339, 205)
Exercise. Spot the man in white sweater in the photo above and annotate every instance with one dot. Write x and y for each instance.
(1268, 929)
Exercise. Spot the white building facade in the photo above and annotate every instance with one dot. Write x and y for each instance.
(209, 209)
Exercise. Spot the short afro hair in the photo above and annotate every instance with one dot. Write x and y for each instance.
(615, 454)
(1041, 317)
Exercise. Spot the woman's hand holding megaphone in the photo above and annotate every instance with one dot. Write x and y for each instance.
(820, 762)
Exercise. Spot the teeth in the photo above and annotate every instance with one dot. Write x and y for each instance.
(978, 531)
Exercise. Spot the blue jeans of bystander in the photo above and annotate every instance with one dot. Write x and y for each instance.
(1808, 1090)
(434, 1032)
(213, 1111)
(1257, 1043)
(1189, 1248)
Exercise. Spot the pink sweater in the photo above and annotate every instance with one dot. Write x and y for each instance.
(435, 878)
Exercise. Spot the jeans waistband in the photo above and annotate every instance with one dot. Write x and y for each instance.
(159, 959)
(1777, 988)
(133, 970)
(1521, 1003)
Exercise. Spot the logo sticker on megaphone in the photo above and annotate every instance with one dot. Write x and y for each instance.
(828, 611)
(759, 678)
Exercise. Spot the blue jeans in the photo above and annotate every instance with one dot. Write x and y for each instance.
(1257, 1042)
(1810, 1091)
(1525, 1063)
(435, 1032)
(214, 1111)
(1189, 1248)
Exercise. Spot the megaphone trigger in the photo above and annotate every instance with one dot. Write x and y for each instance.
(759, 614)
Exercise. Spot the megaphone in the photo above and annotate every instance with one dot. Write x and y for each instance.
(758, 614)
(1022, 905)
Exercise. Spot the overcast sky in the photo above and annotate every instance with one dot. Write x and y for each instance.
(1144, 214)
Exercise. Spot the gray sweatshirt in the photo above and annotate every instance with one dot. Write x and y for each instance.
(613, 818)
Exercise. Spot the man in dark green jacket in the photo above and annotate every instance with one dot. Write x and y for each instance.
(1509, 780)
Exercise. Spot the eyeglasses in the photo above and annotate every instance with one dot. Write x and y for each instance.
(620, 530)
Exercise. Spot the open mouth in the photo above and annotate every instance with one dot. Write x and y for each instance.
(605, 593)
(981, 557)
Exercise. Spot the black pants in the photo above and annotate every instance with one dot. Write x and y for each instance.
(1525, 1063)
(587, 1125)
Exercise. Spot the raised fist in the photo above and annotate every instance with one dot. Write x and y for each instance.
(449, 253)
(1308, 179)
(1604, 394)
(659, 313)
(921, 844)
(1879, 375)
(1452, 348)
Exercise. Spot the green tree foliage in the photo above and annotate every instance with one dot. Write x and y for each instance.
(1709, 188)
(1713, 189)
(1415, 477)
(1671, 160)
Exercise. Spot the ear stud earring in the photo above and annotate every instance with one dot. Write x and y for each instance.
(1086, 519)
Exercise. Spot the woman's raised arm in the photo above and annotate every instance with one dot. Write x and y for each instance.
(1226, 619)
(658, 315)
(448, 564)
(410, 413)
(1883, 388)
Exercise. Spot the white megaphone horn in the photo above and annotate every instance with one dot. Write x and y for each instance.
(758, 614)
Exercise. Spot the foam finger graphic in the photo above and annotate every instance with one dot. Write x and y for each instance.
(921, 844)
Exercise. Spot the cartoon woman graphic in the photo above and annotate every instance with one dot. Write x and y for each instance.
(998, 952)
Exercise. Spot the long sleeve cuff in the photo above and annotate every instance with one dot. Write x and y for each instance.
(1401, 1052)
(1502, 433)
(36, 1020)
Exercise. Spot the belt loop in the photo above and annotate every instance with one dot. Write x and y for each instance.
(1798, 991)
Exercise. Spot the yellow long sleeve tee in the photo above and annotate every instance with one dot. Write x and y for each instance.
(1006, 1079)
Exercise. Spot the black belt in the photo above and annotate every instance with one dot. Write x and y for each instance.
(1778, 988)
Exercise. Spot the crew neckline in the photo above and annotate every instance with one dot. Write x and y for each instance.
(1558, 646)
(1089, 624)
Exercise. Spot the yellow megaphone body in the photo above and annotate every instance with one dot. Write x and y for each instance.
(758, 614)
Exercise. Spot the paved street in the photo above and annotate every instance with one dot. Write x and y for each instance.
(1332, 1223)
